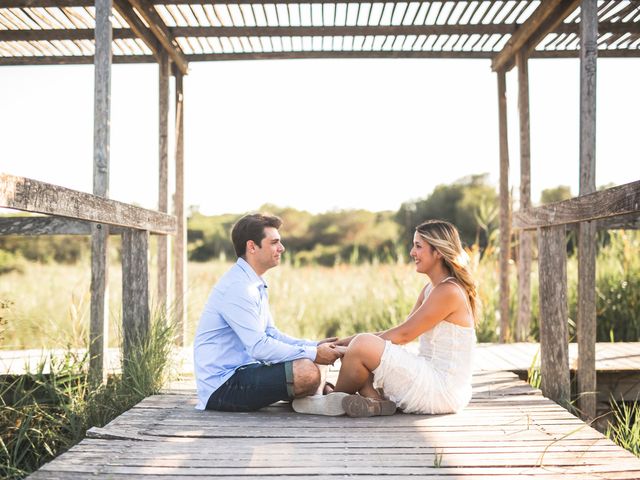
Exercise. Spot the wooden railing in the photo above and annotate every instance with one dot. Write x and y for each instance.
(78, 213)
(551, 221)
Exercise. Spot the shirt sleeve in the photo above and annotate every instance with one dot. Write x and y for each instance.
(241, 311)
(273, 332)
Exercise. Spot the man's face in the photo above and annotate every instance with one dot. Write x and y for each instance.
(270, 251)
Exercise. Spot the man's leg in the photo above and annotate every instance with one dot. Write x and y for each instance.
(306, 378)
(253, 387)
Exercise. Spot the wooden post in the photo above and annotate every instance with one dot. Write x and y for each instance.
(163, 180)
(554, 347)
(135, 288)
(586, 321)
(526, 240)
(99, 323)
(179, 252)
(505, 222)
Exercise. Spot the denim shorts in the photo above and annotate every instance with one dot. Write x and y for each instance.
(254, 386)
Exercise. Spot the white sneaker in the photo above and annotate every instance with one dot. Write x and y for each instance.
(330, 404)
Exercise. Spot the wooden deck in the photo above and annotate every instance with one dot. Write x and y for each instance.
(508, 430)
(514, 357)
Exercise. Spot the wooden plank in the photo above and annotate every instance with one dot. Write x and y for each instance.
(525, 251)
(554, 355)
(179, 249)
(99, 321)
(159, 29)
(586, 321)
(43, 226)
(30, 195)
(619, 200)
(505, 223)
(543, 20)
(163, 179)
(135, 289)
(48, 226)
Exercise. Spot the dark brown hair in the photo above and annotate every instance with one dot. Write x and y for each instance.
(251, 227)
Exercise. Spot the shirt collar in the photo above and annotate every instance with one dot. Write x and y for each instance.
(251, 273)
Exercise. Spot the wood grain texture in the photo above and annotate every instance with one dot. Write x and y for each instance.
(554, 355)
(30, 195)
(614, 201)
(525, 243)
(508, 431)
(99, 321)
(586, 318)
(180, 245)
(135, 289)
(505, 217)
(163, 180)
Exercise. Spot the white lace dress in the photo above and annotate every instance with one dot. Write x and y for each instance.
(438, 379)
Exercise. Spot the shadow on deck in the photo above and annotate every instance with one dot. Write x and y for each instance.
(508, 430)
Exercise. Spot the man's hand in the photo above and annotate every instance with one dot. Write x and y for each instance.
(326, 354)
(328, 340)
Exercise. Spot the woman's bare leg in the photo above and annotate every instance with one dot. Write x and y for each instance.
(362, 357)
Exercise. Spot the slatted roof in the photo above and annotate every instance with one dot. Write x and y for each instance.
(61, 31)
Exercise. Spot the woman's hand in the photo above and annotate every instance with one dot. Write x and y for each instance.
(344, 342)
(328, 340)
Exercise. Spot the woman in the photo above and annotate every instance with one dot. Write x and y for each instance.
(438, 379)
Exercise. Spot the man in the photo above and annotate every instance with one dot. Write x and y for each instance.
(242, 361)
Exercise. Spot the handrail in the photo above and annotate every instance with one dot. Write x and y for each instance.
(612, 202)
(30, 195)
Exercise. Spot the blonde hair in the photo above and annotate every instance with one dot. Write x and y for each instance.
(444, 237)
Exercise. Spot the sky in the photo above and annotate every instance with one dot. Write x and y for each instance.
(317, 135)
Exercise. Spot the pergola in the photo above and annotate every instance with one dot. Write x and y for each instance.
(173, 33)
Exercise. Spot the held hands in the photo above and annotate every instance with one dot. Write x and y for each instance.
(328, 353)
(328, 340)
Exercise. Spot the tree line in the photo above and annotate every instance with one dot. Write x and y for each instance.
(351, 236)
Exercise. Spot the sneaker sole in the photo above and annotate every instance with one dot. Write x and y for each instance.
(358, 406)
(329, 405)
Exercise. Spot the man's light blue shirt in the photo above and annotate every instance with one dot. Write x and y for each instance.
(236, 329)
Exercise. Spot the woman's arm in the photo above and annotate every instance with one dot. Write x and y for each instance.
(419, 300)
(442, 301)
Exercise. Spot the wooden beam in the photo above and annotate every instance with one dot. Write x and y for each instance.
(623, 222)
(305, 31)
(542, 21)
(138, 28)
(163, 178)
(180, 251)
(99, 322)
(43, 226)
(331, 31)
(554, 338)
(29, 195)
(34, 225)
(525, 249)
(149, 14)
(620, 200)
(505, 224)
(586, 319)
(135, 290)
(127, 59)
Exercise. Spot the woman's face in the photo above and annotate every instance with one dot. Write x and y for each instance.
(424, 256)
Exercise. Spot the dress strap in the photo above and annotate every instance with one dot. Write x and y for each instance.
(464, 293)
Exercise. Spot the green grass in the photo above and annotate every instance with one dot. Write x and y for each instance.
(44, 414)
(624, 429)
(50, 302)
